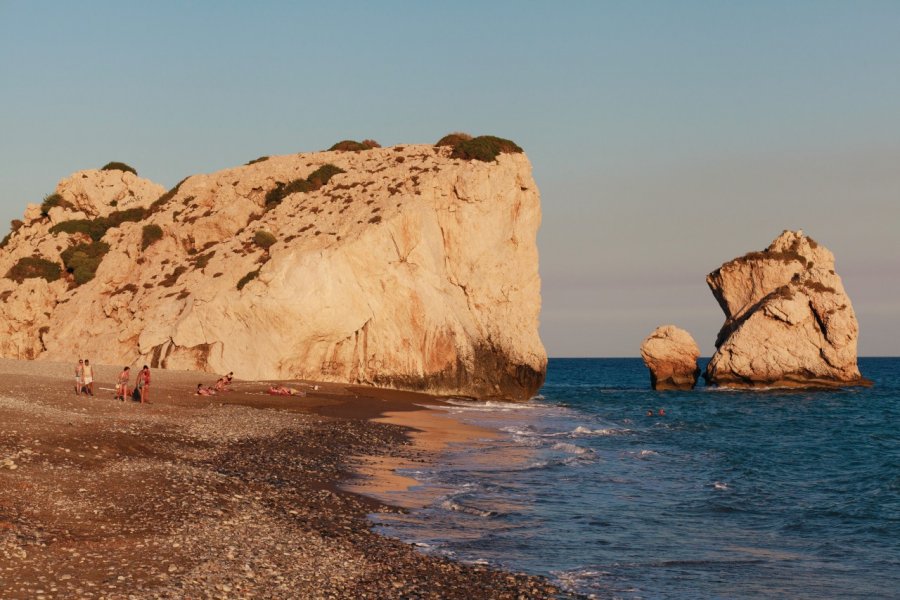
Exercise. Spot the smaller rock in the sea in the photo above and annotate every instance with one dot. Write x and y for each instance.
(671, 354)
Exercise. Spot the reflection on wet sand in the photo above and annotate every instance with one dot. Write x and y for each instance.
(433, 433)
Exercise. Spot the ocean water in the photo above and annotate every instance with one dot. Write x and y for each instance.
(765, 494)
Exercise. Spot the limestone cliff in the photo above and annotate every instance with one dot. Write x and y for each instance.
(788, 322)
(398, 267)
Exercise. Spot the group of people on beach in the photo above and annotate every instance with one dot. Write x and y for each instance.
(84, 381)
(220, 386)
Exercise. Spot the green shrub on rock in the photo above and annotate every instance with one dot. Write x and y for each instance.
(264, 239)
(83, 260)
(52, 200)
(484, 147)
(247, 279)
(160, 202)
(118, 166)
(14, 226)
(451, 139)
(313, 181)
(29, 267)
(323, 175)
(354, 146)
(97, 228)
(150, 235)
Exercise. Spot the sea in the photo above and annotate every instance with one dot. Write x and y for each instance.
(729, 494)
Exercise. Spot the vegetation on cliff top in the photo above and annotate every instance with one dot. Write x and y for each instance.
(118, 166)
(451, 139)
(354, 146)
(164, 199)
(97, 228)
(313, 181)
(53, 200)
(14, 226)
(484, 147)
(34, 266)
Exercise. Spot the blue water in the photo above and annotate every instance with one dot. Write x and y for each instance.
(729, 495)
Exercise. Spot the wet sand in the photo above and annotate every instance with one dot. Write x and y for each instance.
(232, 496)
(430, 432)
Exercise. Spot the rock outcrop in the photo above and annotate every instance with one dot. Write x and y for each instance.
(671, 354)
(788, 322)
(398, 267)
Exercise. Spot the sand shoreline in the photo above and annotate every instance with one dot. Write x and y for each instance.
(236, 495)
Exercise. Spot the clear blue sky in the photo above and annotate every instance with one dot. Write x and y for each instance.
(666, 137)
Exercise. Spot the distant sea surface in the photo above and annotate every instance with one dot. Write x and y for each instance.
(765, 494)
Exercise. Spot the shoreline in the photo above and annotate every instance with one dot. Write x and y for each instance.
(236, 495)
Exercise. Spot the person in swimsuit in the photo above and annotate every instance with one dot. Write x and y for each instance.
(122, 383)
(79, 374)
(88, 377)
(205, 391)
(144, 383)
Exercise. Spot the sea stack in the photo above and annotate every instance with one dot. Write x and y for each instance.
(412, 267)
(671, 354)
(789, 322)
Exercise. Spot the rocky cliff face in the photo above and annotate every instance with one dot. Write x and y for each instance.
(402, 267)
(788, 322)
(671, 354)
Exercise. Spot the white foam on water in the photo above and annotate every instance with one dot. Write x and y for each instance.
(720, 485)
(571, 448)
(450, 504)
(582, 431)
(491, 405)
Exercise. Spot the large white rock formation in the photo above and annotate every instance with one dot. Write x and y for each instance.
(788, 322)
(409, 270)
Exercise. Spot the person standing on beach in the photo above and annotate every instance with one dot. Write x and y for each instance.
(79, 375)
(88, 377)
(122, 384)
(143, 383)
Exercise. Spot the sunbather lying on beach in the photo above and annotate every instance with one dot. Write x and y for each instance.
(205, 390)
(280, 390)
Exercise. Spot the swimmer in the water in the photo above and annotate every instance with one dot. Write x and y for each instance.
(650, 413)
(662, 412)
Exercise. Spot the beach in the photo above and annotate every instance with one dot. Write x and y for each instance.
(236, 495)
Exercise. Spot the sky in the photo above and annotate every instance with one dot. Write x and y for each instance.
(666, 137)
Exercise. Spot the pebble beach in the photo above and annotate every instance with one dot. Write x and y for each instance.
(237, 495)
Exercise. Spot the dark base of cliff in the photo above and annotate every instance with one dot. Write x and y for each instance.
(675, 382)
(493, 376)
(787, 382)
